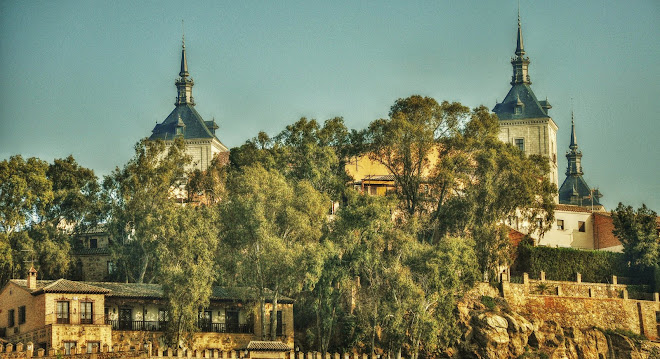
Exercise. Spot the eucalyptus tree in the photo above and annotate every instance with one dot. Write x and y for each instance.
(271, 231)
(139, 197)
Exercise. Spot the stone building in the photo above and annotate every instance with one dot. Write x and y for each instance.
(524, 120)
(70, 315)
(94, 255)
(184, 121)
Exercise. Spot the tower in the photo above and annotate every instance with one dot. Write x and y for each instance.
(184, 121)
(524, 120)
(575, 190)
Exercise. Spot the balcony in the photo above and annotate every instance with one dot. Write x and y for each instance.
(156, 326)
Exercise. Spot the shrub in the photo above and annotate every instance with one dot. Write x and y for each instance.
(488, 302)
(564, 263)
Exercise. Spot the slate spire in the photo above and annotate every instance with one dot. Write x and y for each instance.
(184, 61)
(184, 83)
(574, 156)
(520, 50)
(575, 189)
(519, 62)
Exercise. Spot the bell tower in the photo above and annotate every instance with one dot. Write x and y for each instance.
(524, 120)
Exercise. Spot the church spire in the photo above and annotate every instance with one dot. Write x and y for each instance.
(520, 49)
(574, 156)
(573, 145)
(184, 83)
(519, 62)
(184, 61)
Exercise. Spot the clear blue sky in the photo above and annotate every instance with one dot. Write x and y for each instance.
(90, 78)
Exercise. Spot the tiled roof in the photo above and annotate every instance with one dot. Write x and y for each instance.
(137, 290)
(256, 345)
(531, 107)
(379, 178)
(143, 290)
(92, 251)
(194, 126)
(578, 185)
(61, 286)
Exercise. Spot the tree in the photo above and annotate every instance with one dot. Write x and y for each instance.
(638, 232)
(482, 182)
(272, 230)
(187, 270)
(25, 191)
(303, 151)
(139, 197)
(406, 141)
(208, 185)
(76, 195)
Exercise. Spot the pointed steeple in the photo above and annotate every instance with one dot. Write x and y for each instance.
(519, 62)
(573, 145)
(184, 83)
(574, 156)
(184, 61)
(520, 49)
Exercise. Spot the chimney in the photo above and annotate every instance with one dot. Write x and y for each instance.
(32, 279)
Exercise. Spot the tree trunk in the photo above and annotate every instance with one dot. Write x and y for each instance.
(273, 316)
(143, 270)
(262, 308)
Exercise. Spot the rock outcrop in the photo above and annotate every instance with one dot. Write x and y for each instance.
(495, 331)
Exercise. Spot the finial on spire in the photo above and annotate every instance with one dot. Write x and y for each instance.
(520, 49)
(184, 61)
(573, 145)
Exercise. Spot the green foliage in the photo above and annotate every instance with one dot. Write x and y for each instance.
(489, 181)
(187, 270)
(564, 263)
(76, 195)
(488, 302)
(41, 207)
(25, 192)
(542, 288)
(406, 141)
(626, 333)
(303, 151)
(138, 199)
(272, 230)
(638, 232)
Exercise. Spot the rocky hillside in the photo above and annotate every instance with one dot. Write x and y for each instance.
(492, 330)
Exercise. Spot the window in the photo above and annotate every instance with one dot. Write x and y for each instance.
(163, 316)
(21, 314)
(517, 110)
(581, 226)
(93, 243)
(62, 313)
(86, 313)
(92, 345)
(560, 224)
(10, 318)
(520, 143)
(179, 131)
(68, 346)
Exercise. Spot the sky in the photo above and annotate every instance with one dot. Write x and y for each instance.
(91, 78)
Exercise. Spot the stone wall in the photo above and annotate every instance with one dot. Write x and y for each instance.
(94, 266)
(584, 305)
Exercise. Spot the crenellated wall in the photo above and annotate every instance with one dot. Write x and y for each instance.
(584, 305)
